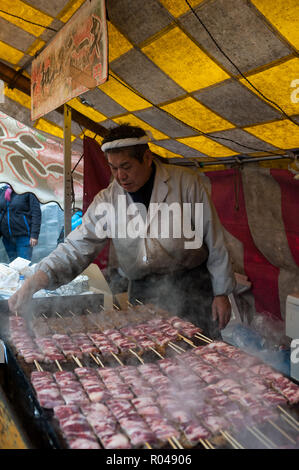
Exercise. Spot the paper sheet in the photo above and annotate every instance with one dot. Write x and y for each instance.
(98, 284)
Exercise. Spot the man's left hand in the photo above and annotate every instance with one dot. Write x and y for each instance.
(221, 310)
(33, 241)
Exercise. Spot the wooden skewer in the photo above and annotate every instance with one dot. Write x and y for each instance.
(232, 440)
(77, 361)
(177, 442)
(204, 340)
(138, 357)
(139, 301)
(289, 416)
(171, 443)
(148, 445)
(115, 306)
(156, 352)
(94, 358)
(186, 340)
(209, 444)
(117, 358)
(281, 431)
(174, 348)
(201, 336)
(38, 366)
(258, 437)
(229, 440)
(58, 314)
(129, 303)
(235, 440)
(58, 365)
(264, 436)
(290, 423)
(178, 347)
(203, 443)
(100, 362)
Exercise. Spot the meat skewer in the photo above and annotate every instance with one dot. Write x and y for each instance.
(105, 426)
(48, 393)
(75, 427)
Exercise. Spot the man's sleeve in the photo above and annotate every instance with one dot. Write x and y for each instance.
(79, 249)
(218, 263)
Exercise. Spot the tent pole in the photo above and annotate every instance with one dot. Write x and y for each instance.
(67, 170)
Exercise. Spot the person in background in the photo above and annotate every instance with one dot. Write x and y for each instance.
(20, 221)
(76, 221)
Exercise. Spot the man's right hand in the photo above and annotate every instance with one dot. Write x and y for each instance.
(18, 301)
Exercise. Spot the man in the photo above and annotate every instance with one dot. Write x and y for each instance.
(190, 278)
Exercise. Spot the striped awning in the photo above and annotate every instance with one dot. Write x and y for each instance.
(182, 73)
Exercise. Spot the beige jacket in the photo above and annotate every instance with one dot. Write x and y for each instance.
(146, 254)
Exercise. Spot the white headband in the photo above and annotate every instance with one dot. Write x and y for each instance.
(127, 142)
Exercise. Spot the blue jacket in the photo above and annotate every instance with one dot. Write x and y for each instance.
(21, 216)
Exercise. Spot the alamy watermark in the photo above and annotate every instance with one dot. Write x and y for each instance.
(295, 93)
(295, 351)
(161, 220)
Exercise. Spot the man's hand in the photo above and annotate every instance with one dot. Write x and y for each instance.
(18, 302)
(33, 241)
(221, 310)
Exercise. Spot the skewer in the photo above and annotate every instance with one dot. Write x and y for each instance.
(171, 443)
(263, 436)
(129, 303)
(115, 306)
(290, 423)
(281, 431)
(139, 302)
(260, 438)
(77, 361)
(58, 314)
(178, 347)
(209, 444)
(138, 357)
(231, 440)
(38, 366)
(58, 365)
(234, 440)
(148, 445)
(174, 348)
(187, 340)
(289, 416)
(116, 358)
(94, 358)
(177, 442)
(100, 362)
(156, 352)
(201, 336)
(204, 444)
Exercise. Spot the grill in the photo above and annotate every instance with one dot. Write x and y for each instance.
(278, 431)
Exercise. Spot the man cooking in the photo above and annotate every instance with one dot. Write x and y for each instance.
(151, 211)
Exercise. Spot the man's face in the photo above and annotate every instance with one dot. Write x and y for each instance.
(130, 174)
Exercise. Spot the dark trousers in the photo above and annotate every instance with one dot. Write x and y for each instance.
(18, 247)
(187, 294)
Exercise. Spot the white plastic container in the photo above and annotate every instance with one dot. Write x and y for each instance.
(292, 316)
